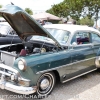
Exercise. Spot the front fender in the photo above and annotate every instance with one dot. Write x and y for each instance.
(29, 73)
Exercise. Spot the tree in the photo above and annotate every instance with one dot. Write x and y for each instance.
(86, 21)
(59, 10)
(66, 8)
(29, 11)
(93, 8)
(77, 9)
(0, 6)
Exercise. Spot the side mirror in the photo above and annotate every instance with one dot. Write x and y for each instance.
(74, 44)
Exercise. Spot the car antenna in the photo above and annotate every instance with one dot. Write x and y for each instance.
(11, 42)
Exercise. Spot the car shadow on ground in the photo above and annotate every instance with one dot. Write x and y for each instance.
(65, 91)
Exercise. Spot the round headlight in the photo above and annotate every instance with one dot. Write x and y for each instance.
(21, 65)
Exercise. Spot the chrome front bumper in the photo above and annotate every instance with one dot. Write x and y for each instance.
(14, 87)
(17, 89)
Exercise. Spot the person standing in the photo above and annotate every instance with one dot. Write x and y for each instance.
(74, 22)
(42, 22)
(65, 22)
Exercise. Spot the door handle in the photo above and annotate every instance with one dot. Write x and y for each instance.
(75, 60)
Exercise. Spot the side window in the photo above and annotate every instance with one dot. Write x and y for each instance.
(81, 38)
(95, 38)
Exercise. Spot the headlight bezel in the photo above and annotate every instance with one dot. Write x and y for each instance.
(22, 65)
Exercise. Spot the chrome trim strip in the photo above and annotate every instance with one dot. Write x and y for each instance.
(8, 68)
(23, 79)
(97, 62)
(4, 73)
(74, 48)
(64, 66)
(1, 55)
(79, 75)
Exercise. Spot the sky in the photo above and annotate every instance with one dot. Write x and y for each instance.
(35, 5)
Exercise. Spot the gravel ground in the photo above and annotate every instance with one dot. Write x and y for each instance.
(86, 87)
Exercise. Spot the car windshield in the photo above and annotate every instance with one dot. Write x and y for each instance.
(41, 38)
(60, 35)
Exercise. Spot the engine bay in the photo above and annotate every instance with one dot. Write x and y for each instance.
(30, 47)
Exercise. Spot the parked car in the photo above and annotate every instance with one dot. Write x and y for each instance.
(8, 34)
(2, 19)
(58, 52)
(6, 29)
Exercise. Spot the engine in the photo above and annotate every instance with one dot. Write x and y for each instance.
(16, 50)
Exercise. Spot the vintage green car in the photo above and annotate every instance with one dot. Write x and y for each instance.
(55, 52)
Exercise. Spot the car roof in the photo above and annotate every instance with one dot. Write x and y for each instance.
(71, 28)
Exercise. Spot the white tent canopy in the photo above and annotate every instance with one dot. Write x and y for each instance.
(45, 16)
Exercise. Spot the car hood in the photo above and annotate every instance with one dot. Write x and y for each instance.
(23, 23)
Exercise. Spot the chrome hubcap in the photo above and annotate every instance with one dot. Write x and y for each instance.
(44, 84)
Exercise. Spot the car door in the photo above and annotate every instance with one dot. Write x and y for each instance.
(96, 41)
(82, 54)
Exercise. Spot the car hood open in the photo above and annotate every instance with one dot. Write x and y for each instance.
(23, 23)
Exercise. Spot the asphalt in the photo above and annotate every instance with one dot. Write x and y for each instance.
(86, 87)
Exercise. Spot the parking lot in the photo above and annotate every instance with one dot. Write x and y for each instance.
(86, 87)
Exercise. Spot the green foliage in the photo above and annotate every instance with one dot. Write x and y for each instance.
(0, 6)
(86, 21)
(29, 11)
(93, 7)
(58, 10)
(76, 9)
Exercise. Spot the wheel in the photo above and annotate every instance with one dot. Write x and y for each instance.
(45, 84)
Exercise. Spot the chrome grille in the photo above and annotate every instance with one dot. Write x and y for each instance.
(5, 72)
(7, 58)
(1, 69)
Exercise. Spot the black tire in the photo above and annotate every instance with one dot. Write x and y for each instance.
(45, 84)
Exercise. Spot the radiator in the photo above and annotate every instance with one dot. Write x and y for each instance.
(8, 58)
